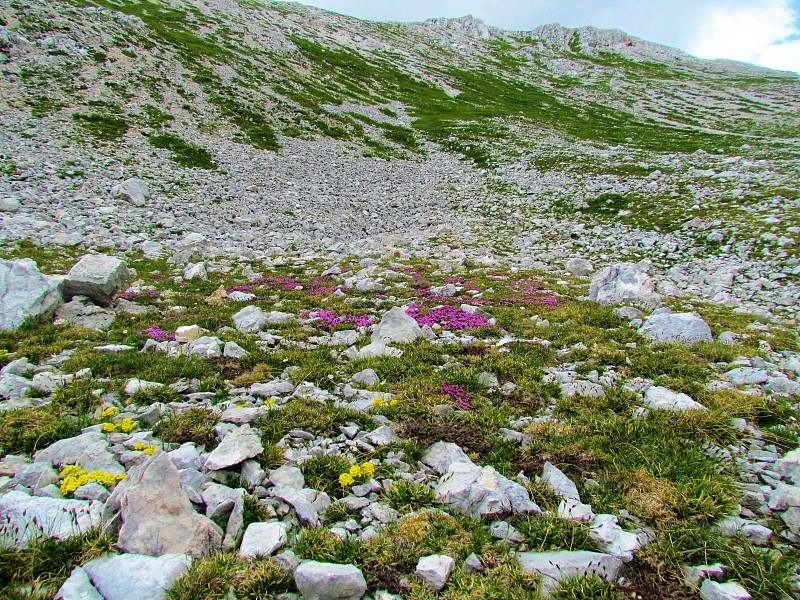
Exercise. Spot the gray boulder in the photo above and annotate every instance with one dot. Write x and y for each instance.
(78, 587)
(623, 283)
(251, 319)
(156, 515)
(97, 277)
(134, 190)
(396, 327)
(560, 484)
(328, 581)
(442, 454)
(747, 376)
(681, 328)
(25, 293)
(90, 451)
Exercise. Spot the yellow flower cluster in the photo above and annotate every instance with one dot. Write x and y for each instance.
(383, 402)
(242, 405)
(365, 469)
(74, 477)
(125, 426)
(142, 447)
(269, 402)
(107, 412)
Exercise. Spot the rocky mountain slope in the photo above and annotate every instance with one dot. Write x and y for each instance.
(294, 305)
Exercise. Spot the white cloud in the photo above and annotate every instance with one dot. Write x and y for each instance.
(762, 33)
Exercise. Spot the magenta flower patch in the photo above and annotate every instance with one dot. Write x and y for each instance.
(461, 397)
(449, 317)
(328, 319)
(157, 333)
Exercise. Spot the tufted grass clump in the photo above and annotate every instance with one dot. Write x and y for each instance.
(219, 576)
(546, 533)
(102, 126)
(192, 425)
(25, 430)
(308, 415)
(406, 496)
(46, 563)
(322, 473)
(150, 395)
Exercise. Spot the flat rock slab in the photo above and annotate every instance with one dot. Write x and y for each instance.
(555, 566)
(680, 328)
(711, 590)
(661, 398)
(25, 518)
(237, 447)
(124, 576)
(263, 539)
(89, 451)
(329, 581)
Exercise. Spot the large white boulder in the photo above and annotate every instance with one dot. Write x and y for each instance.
(97, 276)
(25, 293)
(237, 447)
(624, 283)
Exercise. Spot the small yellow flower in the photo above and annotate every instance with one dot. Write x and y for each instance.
(378, 402)
(108, 428)
(269, 402)
(149, 450)
(393, 403)
(242, 405)
(368, 469)
(126, 425)
(345, 479)
(355, 471)
(107, 412)
(69, 470)
(120, 477)
(139, 446)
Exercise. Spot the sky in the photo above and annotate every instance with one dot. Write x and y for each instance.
(762, 32)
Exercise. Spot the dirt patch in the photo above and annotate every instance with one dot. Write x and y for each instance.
(525, 402)
(644, 583)
(426, 433)
(384, 577)
(576, 465)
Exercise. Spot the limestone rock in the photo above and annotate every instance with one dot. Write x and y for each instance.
(27, 517)
(157, 517)
(434, 570)
(396, 327)
(681, 328)
(126, 576)
(622, 283)
(25, 293)
(78, 586)
(657, 397)
(559, 482)
(89, 451)
(711, 590)
(555, 566)
(262, 539)
(238, 446)
(328, 581)
(134, 190)
(612, 539)
(97, 277)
